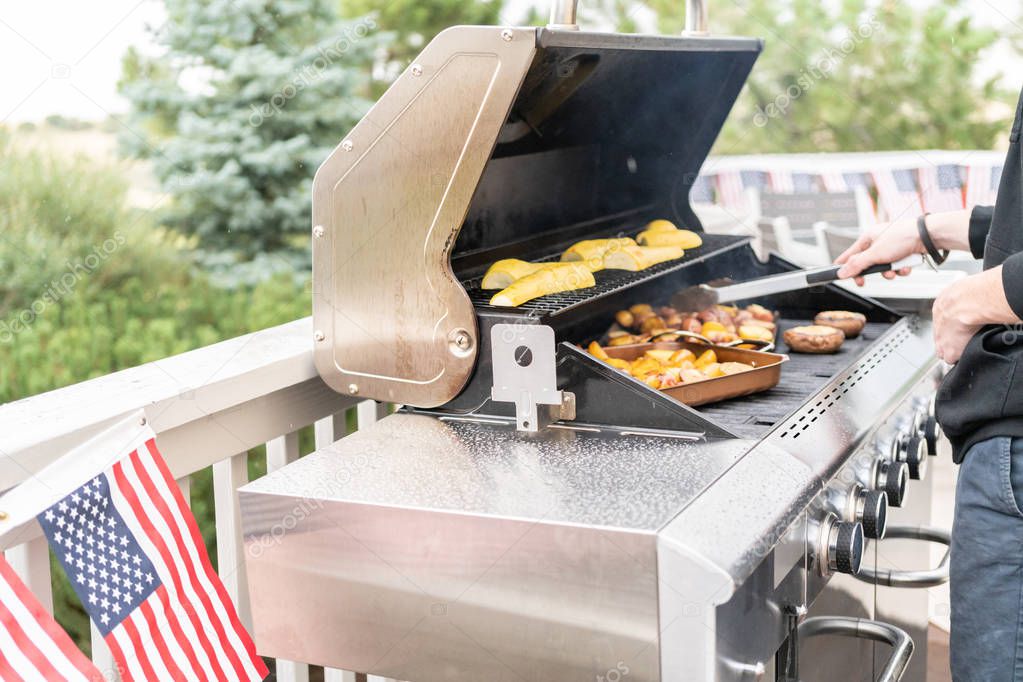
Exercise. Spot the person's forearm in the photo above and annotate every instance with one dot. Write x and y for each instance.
(950, 230)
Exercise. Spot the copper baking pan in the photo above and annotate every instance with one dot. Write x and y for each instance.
(765, 375)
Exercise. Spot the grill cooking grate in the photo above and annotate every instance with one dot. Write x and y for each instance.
(608, 281)
(802, 376)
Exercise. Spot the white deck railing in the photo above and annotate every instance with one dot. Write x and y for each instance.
(208, 407)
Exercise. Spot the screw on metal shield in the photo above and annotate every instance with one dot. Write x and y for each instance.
(525, 374)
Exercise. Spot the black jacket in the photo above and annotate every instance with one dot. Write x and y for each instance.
(982, 396)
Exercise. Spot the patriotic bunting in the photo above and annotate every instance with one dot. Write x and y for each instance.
(941, 188)
(897, 193)
(982, 185)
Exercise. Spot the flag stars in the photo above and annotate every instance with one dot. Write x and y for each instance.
(105, 619)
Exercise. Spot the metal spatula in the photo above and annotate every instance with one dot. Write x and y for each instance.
(703, 296)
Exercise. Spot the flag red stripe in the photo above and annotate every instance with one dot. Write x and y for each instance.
(7, 673)
(139, 649)
(25, 645)
(200, 549)
(179, 634)
(47, 623)
(126, 489)
(161, 644)
(122, 662)
(186, 562)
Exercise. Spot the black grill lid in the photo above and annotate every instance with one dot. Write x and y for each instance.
(607, 129)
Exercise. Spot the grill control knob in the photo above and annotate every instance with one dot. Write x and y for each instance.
(932, 434)
(911, 449)
(891, 478)
(870, 508)
(842, 546)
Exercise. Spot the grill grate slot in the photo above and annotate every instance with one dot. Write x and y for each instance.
(608, 281)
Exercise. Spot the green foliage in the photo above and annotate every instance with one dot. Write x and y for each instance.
(858, 75)
(142, 302)
(247, 100)
(415, 22)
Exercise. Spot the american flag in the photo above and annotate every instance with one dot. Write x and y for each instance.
(702, 191)
(133, 554)
(32, 645)
(836, 181)
(982, 185)
(941, 187)
(897, 193)
(731, 193)
(788, 182)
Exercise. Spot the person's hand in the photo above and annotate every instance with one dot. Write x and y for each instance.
(884, 243)
(954, 315)
(964, 307)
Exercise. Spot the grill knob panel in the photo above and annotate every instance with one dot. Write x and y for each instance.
(891, 478)
(845, 547)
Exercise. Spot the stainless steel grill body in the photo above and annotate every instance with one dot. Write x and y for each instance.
(635, 537)
(450, 549)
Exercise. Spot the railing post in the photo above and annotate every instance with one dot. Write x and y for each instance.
(280, 452)
(101, 656)
(31, 561)
(229, 475)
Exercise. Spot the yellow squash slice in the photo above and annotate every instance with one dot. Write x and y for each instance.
(681, 238)
(548, 280)
(635, 258)
(591, 251)
(502, 273)
(660, 226)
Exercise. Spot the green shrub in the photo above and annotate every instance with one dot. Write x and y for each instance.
(63, 320)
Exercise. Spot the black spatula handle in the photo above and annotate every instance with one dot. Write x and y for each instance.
(830, 274)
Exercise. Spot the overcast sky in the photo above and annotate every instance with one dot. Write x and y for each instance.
(64, 57)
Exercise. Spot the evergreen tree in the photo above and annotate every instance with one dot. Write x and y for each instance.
(247, 99)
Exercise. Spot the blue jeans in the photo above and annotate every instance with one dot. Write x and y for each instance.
(987, 564)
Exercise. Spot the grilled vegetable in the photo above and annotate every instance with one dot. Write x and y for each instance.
(592, 251)
(504, 272)
(660, 226)
(681, 238)
(550, 280)
(635, 258)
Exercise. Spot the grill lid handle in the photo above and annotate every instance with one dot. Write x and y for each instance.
(696, 17)
(563, 15)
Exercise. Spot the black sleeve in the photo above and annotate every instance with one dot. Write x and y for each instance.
(1012, 282)
(980, 225)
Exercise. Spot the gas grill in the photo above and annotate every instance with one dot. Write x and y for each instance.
(530, 513)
